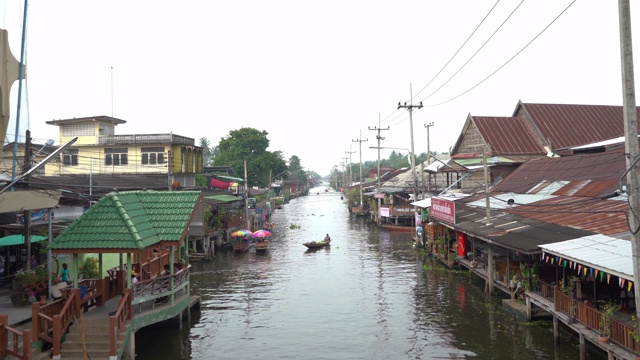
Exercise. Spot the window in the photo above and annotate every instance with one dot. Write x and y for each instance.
(116, 156)
(78, 130)
(70, 157)
(152, 155)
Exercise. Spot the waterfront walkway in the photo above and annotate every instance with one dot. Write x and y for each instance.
(584, 333)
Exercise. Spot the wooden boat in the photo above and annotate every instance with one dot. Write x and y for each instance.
(241, 246)
(316, 244)
(262, 245)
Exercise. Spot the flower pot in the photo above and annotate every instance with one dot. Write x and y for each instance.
(18, 299)
(603, 339)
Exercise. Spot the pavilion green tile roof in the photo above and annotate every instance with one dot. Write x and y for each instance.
(131, 220)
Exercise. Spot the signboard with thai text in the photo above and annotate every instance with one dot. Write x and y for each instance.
(443, 210)
(378, 196)
(384, 212)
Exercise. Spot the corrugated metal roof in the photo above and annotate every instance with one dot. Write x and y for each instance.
(599, 216)
(508, 135)
(611, 255)
(130, 220)
(222, 198)
(591, 175)
(567, 125)
(511, 231)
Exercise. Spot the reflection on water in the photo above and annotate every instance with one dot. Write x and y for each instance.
(367, 296)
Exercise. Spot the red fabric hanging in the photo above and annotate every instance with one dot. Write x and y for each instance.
(219, 184)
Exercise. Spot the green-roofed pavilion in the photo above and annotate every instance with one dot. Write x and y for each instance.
(130, 221)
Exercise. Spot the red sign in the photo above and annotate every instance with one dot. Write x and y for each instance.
(443, 210)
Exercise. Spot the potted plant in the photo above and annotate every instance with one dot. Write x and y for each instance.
(29, 283)
(452, 258)
(606, 312)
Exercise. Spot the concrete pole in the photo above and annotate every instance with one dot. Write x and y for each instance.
(428, 153)
(246, 198)
(27, 213)
(488, 218)
(410, 107)
(631, 139)
(360, 141)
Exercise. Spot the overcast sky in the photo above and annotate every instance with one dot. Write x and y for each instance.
(316, 75)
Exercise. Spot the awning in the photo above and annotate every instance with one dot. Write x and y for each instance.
(219, 184)
(230, 178)
(15, 201)
(422, 203)
(223, 198)
(19, 239)
(607, 254)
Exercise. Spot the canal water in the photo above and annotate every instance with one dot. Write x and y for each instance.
(371, 295)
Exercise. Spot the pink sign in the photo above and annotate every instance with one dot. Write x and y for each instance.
(443, 210)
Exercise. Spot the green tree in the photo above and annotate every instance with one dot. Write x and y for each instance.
(251, 145)
(205, 144)
(296, 170)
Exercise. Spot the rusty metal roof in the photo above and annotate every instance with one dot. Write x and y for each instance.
(508, 136)
(606, 217)
(590, 175)
(567, 125)
(511, 231)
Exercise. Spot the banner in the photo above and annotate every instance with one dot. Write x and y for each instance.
(443, 210)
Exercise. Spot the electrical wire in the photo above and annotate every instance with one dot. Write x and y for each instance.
(459, 49)
(507, 62)
(476, 53)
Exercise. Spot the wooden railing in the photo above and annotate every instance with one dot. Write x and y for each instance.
(60, 322)
(123, 313)
(160, 286)
(589, 316)
(19, 339)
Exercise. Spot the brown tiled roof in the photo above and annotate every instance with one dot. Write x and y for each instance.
(508, 135)
(567, 125)
(591, 175)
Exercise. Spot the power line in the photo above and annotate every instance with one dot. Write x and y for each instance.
(508, 61)
(477, 51)
(460, 48)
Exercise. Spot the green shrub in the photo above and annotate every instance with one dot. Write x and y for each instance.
(90, 268)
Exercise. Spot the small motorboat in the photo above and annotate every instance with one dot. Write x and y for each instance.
(262, 245)
(317, 244)
(242, 246)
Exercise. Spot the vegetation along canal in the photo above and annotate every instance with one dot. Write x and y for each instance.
(370, 295)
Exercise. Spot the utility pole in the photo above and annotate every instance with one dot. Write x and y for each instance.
(410, 107)
(378, 137)
(26, 214)
(631, 140)
(428, 153)
(246, 198)
(350, 166)
(488, 218)
(360, 140)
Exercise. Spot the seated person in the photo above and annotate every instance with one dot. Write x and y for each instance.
(327, 238)
(56, 290)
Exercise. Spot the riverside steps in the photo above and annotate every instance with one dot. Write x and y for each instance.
(90, 331)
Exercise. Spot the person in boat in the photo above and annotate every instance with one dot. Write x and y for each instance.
(327, 238)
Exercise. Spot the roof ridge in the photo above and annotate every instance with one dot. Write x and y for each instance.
(128, 222)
